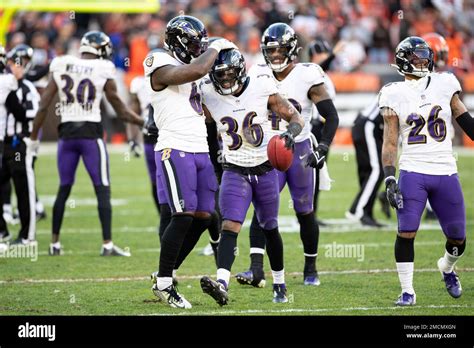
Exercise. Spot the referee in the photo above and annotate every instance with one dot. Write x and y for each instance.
(17, 162)
(367, 135)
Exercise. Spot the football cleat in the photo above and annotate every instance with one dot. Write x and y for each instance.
(247, 278)
(279, 293)
(24, 242)
(3, 247)
(406, 299)
(154, 275)
(370, 221)
(5, 237)
(207, 250)
(216, 289)
(312, 279)
(171, 296)
(114, 251)
(53, 251)
(40, 216)
(453, 285)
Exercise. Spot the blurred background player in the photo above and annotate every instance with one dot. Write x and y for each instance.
(304, 86)
(81, 83)
(421, 109)
(239, 105)
(18, 168)
(184, 171)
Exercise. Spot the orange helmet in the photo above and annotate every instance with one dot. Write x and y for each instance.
(440, 48)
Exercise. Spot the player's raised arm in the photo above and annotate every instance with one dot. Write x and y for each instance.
(288, 112)
(46, 100)
(123, 112)
(462, 116)
(389, 156)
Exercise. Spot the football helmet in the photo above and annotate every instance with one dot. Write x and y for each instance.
(3, 58)
(96, 42)
(228, 72)
(440, 48)
(279, 46)
(412, 52)
(186, 37)
(21, 54)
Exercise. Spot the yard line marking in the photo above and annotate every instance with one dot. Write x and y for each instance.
(302, 310)
(191, 277)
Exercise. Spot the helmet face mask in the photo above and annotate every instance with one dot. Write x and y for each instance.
(279, 46)
(228, 73)
(97, 43)
(414, 57)
(186, 37)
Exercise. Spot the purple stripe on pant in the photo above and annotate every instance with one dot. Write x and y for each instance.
(300, 179)
(237, 191)
(445, 196)
(93, 153)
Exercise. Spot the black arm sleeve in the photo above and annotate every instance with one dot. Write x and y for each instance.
(466, 122)
(327, 110)
(214, 148)
(327, 62)
(14, 106)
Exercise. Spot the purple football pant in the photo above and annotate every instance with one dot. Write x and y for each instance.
(301, 179)
(93, 153)
(237, 191)
(187, 180)
(445, 196)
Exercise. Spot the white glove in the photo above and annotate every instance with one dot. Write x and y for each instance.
(222, 44)
(32, 145)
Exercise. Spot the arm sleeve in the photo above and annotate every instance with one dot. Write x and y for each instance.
(327, 62)
(14, 106)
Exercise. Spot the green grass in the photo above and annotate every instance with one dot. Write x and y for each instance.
(82, 283)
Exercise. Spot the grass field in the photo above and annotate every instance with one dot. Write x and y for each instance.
(83, 283)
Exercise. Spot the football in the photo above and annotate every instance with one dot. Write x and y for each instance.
(280, 157)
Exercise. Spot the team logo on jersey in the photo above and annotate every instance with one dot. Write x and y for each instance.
(149, 61)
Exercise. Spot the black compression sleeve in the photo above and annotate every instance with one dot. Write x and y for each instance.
(14, 106)
(327, 62)
(466, 122)
(327, 110)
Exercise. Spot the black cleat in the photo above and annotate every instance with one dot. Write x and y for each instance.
(53, 251)
(5, 237)
(214, 289)
(40, 216)
(250, 278)
(370, 221)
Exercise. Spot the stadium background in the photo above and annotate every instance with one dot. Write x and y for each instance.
(80, 283)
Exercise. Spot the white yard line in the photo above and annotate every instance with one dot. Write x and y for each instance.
(191, 277)
(306, 311)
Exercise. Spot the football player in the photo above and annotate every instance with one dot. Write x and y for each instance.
(304, 86)
(420, 109)
(81, 83)
(239, 105)
(185, 175)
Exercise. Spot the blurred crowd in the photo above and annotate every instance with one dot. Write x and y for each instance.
(367, 30)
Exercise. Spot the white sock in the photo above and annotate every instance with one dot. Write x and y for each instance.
(223, 274)
(257, 251)
(447, 262)
(174, 273)
(56, 245)
(278, 276)
(108, 245)
(164, 282)
(405, 274)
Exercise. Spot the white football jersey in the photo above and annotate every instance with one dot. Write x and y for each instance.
(137, 86)
(295, 88)
(177, 110)
(424, 115)
(242, 121)
(8, 83)
(80, 86)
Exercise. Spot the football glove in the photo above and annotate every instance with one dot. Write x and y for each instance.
(317, 158)
(222, 44)
(135, 148)
(291, 133)
(32, 145)
(394, 195)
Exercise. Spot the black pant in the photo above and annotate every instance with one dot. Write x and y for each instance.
(18, 165)
(368, 138)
